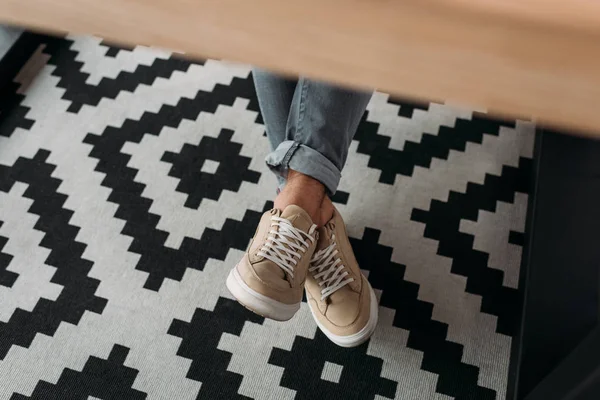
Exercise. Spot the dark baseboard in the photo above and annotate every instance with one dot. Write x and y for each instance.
(578, 375)
(560, 272)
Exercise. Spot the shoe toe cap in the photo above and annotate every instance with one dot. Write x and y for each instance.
(350, 313)
(343, 308)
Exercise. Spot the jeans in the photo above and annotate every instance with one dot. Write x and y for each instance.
(310, 125)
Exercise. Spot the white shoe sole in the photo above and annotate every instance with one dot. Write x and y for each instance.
(256, 302)
(359, 337)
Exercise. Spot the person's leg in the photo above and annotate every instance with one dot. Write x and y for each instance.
(275, 94)
(322, 122)
(317, 115)
(308, 153)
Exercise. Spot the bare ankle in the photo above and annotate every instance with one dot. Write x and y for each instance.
(303, 191)
(327, 210)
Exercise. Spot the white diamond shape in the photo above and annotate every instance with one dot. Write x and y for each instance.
(332, 372)
(210, 166)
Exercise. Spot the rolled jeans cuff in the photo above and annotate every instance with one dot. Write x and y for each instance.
(307, 161)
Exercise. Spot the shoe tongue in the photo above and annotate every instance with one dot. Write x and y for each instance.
(298, 217)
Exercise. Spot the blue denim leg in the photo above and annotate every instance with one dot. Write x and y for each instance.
(321, 123)
(275, 94)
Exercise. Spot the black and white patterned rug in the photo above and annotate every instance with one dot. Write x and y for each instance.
(130, 183)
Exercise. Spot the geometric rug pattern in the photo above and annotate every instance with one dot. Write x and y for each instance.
(131, 180)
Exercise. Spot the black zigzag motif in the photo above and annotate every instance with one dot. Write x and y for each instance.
(77, 294)
(159, 261)
(517, 238)
(201, 337)
(340, 197)
(102, 379)
(231, 171)
(360, 377)
(392, 162)
(408, 107)
(73, 80)
(12, 113)
(114, 49)
(7, 278)
(442, 224)
(440, 356)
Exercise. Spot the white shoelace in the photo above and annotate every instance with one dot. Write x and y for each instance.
(329, 270)
(286, 244)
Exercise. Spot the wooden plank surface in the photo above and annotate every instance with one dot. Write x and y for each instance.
(526, 58)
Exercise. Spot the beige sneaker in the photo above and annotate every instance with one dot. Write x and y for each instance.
(269, 279)
(341, 299)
